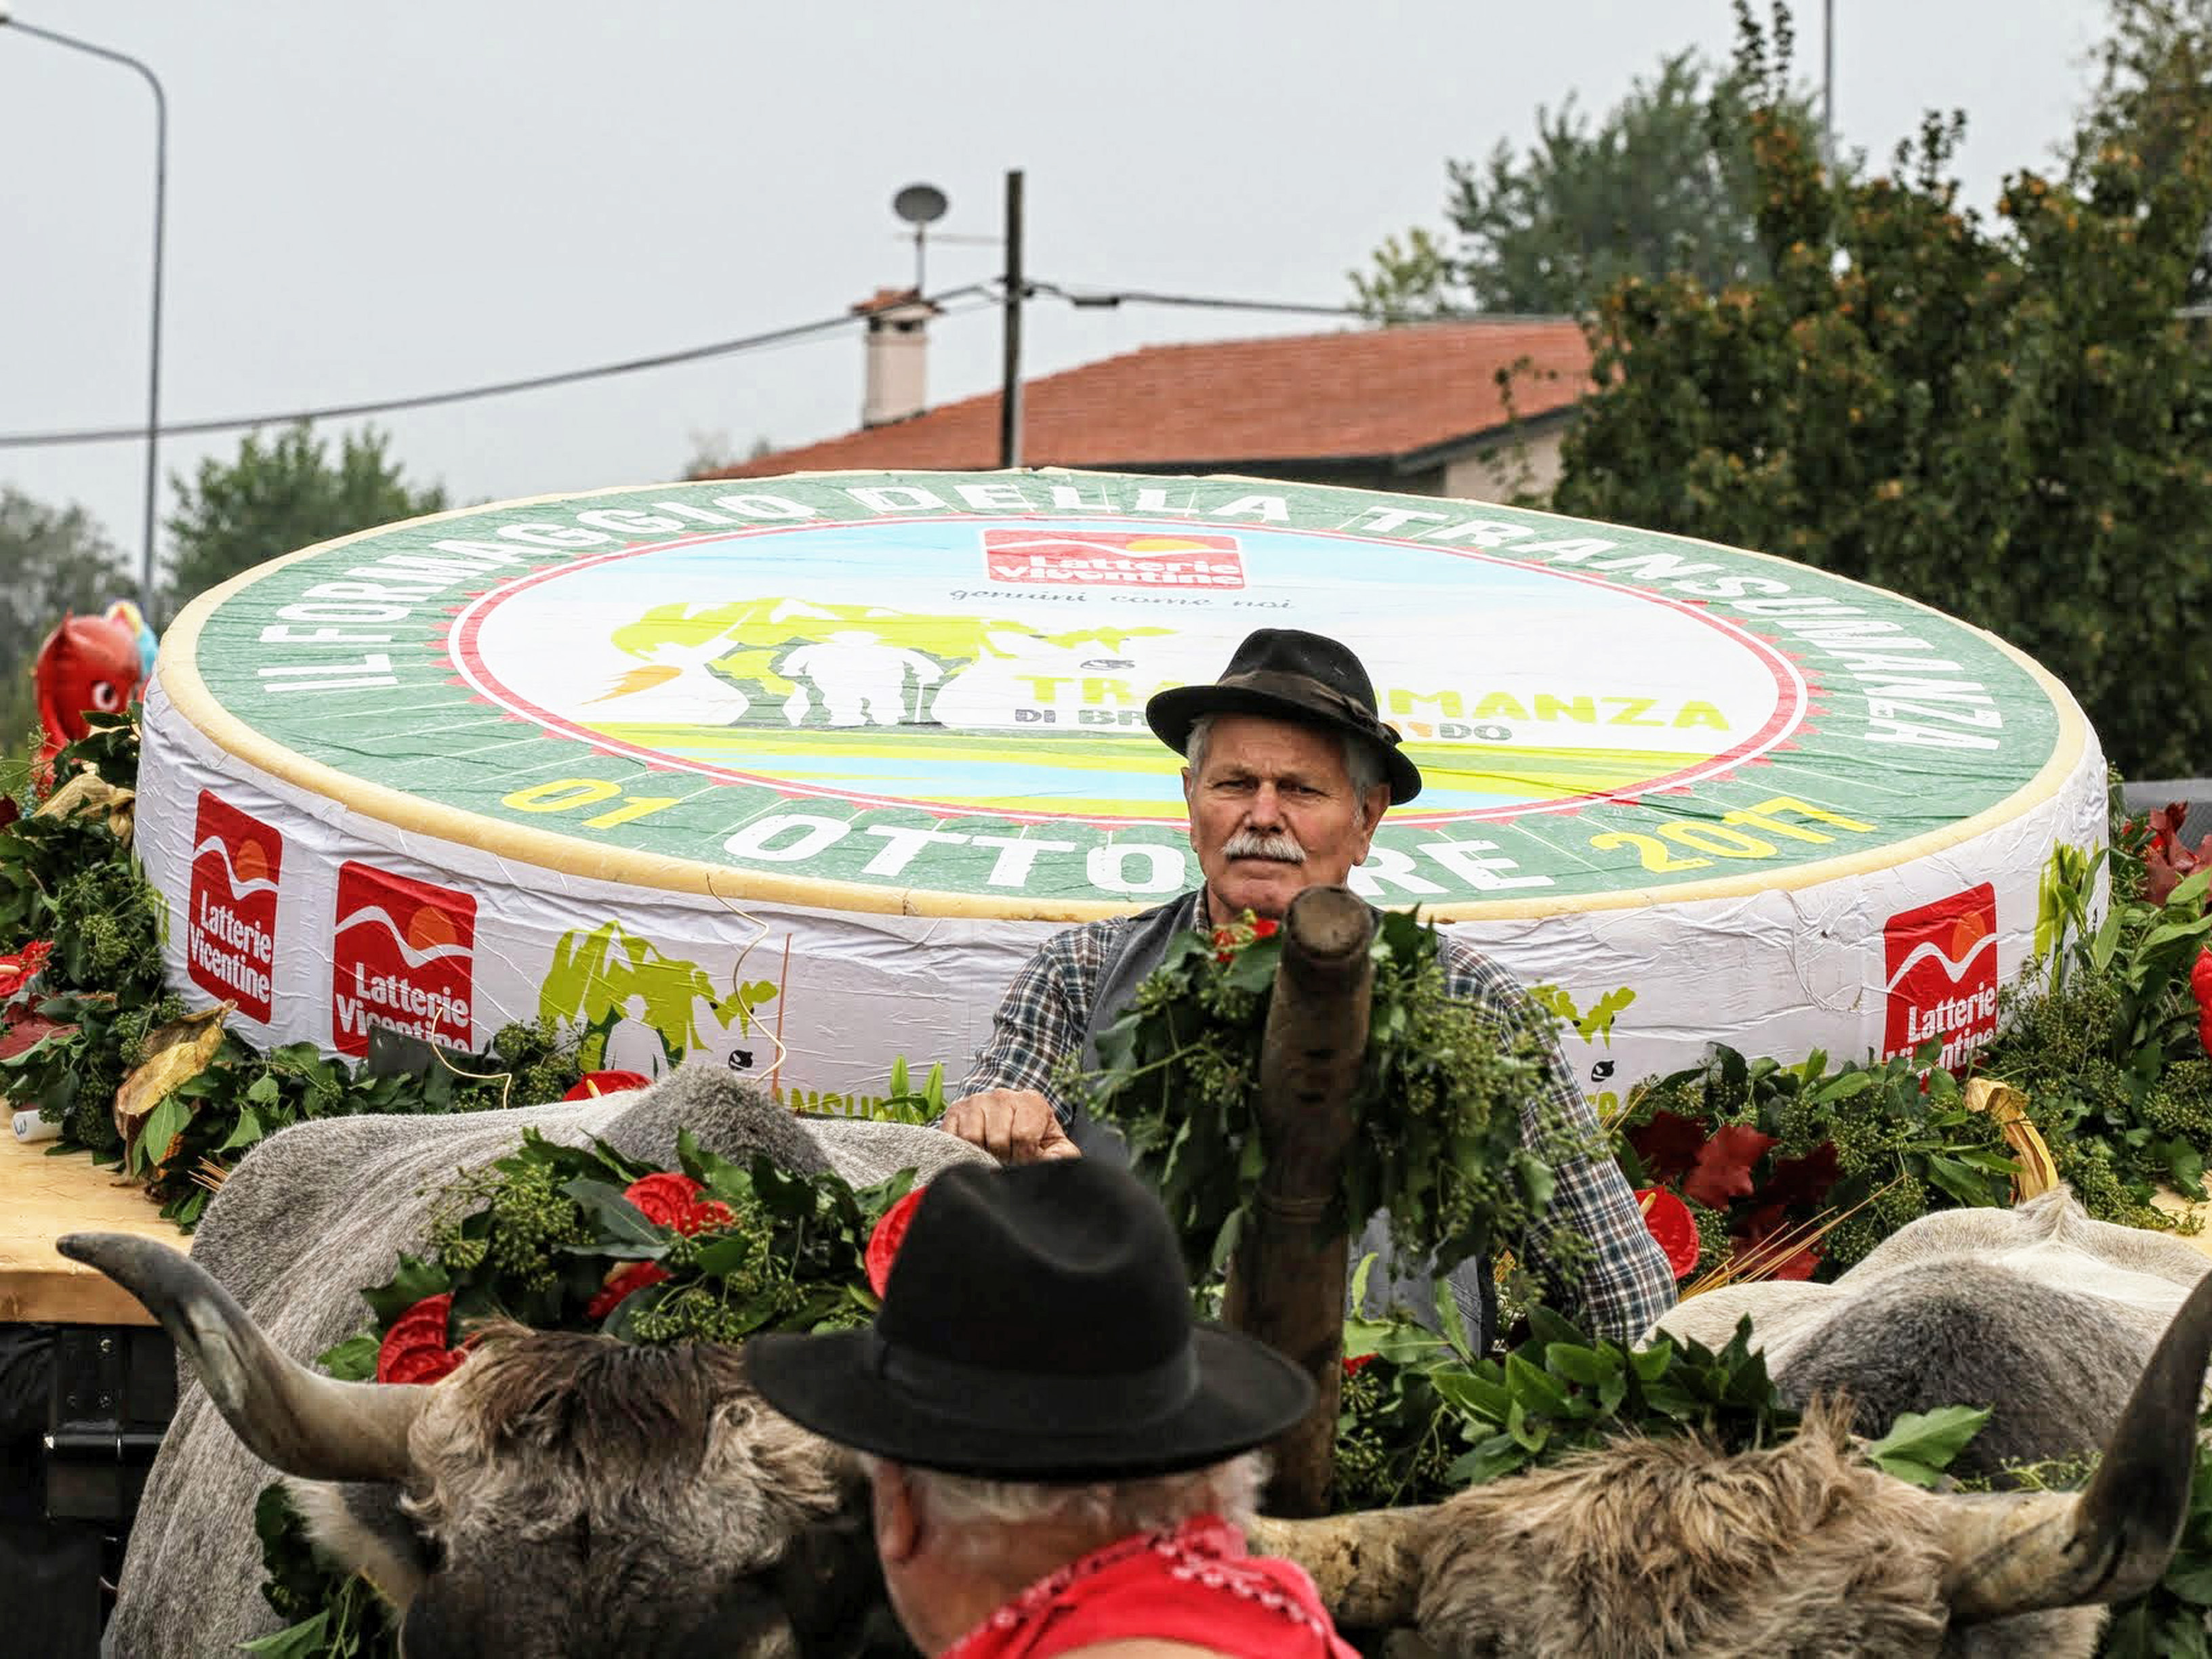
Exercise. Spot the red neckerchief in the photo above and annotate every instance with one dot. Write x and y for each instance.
(1195, 1584)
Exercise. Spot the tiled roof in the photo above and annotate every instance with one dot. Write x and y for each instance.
(1354, 395)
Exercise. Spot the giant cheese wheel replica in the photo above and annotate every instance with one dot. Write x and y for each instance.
(797, 772)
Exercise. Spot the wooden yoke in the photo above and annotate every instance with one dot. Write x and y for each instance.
(1287, 1273)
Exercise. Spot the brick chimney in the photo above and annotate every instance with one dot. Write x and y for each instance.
(895, 385)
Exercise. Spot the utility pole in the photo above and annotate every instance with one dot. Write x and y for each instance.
(1828, 83)
(1010, 385)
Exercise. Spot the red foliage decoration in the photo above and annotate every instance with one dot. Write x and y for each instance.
(1754, 1247)
(1722, 1170)
(2167, 859)
(1668, 1144)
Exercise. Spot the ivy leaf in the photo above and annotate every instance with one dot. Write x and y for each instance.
(353, 1360)
(1920, 1445)
(245, 1131)
(614, 1212)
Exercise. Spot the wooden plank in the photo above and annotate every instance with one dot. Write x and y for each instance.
(41, 1198)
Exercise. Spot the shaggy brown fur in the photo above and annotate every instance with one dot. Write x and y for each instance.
(582, 1496)
(1652, 1547)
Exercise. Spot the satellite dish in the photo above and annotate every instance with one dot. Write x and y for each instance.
(919, 204)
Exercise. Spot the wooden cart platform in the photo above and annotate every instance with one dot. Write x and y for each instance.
(41, 1198)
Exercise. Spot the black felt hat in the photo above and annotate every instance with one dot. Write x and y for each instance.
(1288, 674)
(1036, 1327)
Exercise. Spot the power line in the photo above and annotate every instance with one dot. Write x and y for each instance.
(1082, 298)
(463, 394)
(1086, 299)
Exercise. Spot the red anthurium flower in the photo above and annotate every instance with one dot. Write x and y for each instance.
(1356, 1363)
(17, 971)
(620, 1282)
(889, 1233)
(414, 1349)
(672, 1201)
(593, 1085)
(1672, 1226)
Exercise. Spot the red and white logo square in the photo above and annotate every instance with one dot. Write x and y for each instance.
(1112, 558)
(403, 955)
(230, 921)
(1940, 961)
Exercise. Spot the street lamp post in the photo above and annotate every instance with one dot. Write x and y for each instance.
(160, 204)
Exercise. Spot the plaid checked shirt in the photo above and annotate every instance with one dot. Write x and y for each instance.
(1622, 1289)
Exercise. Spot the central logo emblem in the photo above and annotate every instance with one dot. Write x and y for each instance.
(1109, 558)
(1942, 964)
(403, 956)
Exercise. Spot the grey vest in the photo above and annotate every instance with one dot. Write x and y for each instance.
(1131, 959)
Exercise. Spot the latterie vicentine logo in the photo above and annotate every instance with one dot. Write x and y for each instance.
(1111, 558)
(230, 924)
(403, 956)
(1941, 964)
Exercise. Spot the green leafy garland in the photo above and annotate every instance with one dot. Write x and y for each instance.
(1423, 1416)
(2105, 1039)
(580, 1238)
(1440, 1103)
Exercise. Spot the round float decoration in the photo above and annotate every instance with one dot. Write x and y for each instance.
(796, 772)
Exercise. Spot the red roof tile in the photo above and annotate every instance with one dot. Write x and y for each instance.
(1369, 392)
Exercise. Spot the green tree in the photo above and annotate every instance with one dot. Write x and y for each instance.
(2011, 422)
(52, 563)
(280, 497)
(1650, 190)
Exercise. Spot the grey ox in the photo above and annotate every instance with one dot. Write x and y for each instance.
(2038, 1312)
(562, 1496)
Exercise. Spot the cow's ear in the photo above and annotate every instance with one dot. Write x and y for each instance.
(359, 1525)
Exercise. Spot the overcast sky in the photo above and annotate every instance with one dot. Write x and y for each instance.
(374, 201)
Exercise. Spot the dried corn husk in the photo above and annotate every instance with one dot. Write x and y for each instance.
(2038, 1173)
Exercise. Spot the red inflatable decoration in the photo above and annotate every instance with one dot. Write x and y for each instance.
(89, 665)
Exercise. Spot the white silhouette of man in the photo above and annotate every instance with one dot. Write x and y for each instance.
(860, 679)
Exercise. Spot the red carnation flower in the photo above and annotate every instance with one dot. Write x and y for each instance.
(672, 1201)
(414, 1349)
(620, 1282)
(888, 1234)
(593, 1085)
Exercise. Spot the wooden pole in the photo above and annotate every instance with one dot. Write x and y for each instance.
(1287, 1274)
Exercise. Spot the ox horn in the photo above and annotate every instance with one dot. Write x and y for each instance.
(2017, 1554)
(293, 1419)
(1367, 1566)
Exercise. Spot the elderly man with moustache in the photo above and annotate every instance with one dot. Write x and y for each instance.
(1289, 769)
